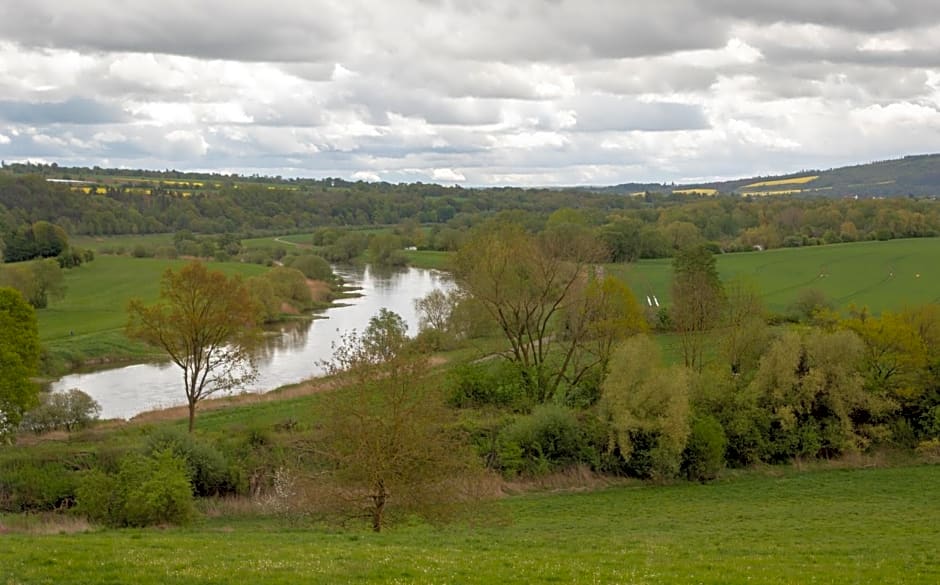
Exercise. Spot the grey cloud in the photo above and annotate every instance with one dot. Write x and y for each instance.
(859, 15)
(71, 111)
(217, 29)
(605, 113)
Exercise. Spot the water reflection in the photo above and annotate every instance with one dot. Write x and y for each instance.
(291, 353)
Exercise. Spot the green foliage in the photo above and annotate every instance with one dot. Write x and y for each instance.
(812, 387)
(19, 359)
(69, 410)
(207, 468)
(39, 281)
(205, 322)
(647, 406)
(311, 265)
(38, 240)
(290, 286)
(34, 485)
(386, 250)
(704, 454)
(549, 439)
(145, 492)
(489, 383)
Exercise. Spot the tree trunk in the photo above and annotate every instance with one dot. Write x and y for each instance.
(192, 415)
(378, 506)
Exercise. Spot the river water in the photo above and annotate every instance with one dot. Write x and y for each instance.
(292, 353)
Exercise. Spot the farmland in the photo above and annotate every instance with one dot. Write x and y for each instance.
(828, 526)
(879, 275)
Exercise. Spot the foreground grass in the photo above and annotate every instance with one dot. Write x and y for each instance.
(861, 526)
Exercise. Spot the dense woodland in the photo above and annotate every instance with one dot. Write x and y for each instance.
(651, 225)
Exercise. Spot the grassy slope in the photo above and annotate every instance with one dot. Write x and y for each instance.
(862, 526)
(91, 317)
(880, 275)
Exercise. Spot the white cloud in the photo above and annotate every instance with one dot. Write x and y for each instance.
(483, 92)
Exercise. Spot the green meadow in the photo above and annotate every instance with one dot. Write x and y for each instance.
(89, 321)
(880, 275)
(877, 526)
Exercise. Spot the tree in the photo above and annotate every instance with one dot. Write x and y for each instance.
(813, 388)
(206, 322)
(389, 437)
(643, 401)
(386, 250)
(697, 301)
(38, 281)
(526, 283)
(19, 360)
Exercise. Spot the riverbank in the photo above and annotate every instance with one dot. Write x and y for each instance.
(85, 329)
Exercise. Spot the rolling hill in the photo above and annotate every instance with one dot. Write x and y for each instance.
(915, 175)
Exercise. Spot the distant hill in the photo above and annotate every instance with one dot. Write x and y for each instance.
(917, 175)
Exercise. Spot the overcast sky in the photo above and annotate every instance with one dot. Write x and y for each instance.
(477, 92)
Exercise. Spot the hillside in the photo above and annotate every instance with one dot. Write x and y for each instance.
(917, 175)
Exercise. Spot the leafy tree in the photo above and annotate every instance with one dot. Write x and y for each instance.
(206, 322)
(19, 360)
(312, 266)
(647, 403)
(813, 388)
(526, 283)
(68, 410)
(389, 438)
(744, 332)
(386, 250)
(697, 301)
(290, 286)
(38, 281)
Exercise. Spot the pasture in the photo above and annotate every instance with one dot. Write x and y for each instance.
(90, 319)
(880, 275)
(826, 526)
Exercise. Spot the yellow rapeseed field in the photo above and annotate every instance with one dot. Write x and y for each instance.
(779, 182)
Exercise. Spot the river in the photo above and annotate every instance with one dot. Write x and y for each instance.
(291, 353)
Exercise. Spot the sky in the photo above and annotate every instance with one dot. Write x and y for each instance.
(470, 92)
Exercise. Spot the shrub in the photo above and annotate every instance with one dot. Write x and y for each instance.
(704, 454)
(206, 467)
(548, 439)
(141, 251)
(145, 491)
(485, 383)
(163, 496)
(35, 486)
(68, 410)
(312, 266)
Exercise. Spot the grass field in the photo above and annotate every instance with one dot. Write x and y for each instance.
(877, 526)
(89, 321)
(880, 275)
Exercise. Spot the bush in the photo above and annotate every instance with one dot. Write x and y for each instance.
(311, 266)
(164, 496)
(68, 410)
(36, 486)
(141, 251)
(206, 468)
(704, 454)
(485, 383)
(548, 439)
(146, 491)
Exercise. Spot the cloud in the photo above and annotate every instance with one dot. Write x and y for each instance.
(532, 92)
(71, 111)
